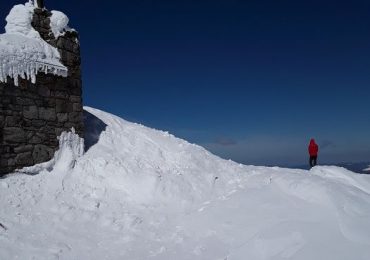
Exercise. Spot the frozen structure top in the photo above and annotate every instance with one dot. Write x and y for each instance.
(23, 52)
(40, 85)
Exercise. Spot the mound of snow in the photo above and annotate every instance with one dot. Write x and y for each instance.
(58, 23)
(23, 53)
(19, 21)
(367, 169)
(150, 165)
(139, 193)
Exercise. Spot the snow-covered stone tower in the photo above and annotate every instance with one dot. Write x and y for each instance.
(40, 85)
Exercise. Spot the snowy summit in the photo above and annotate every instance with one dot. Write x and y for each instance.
(126, 191)
(139, 193)
(23, 53)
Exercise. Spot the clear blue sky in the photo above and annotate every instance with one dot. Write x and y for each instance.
(250, 80)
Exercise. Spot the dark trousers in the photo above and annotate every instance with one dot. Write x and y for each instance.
(313, 161)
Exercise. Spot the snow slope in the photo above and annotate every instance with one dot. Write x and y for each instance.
(139, 193)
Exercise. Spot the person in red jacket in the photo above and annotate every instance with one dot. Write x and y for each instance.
(313, 150)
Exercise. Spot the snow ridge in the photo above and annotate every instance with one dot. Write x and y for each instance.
(139, 193)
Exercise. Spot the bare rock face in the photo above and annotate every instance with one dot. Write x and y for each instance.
(32, 116)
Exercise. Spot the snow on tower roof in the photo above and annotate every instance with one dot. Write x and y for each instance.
(23, 52)
(59, 23)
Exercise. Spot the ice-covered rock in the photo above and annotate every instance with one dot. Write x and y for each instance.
(19, 21)
(71, 147)
(23, 53)
(58, 23)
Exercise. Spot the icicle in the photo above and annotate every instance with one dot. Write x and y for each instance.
(33, 76)
(1, 71)
(15, 77)
(27, 68)
(1, 75)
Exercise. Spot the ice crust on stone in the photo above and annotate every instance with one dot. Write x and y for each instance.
(71, 147)
(23, 53)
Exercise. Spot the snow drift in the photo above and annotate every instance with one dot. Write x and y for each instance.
(139, 193)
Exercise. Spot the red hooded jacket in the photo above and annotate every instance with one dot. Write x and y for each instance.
(313, 148)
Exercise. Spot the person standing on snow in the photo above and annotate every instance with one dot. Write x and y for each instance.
(313, 150)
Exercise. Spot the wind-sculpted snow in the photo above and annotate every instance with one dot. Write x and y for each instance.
(138, 193)
(59, 23)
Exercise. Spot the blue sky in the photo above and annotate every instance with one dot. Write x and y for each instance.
(249, 80)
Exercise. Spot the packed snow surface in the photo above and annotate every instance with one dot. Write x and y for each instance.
(23, 53)
(139, 193)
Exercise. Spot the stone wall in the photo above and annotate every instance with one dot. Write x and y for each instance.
(32, 116)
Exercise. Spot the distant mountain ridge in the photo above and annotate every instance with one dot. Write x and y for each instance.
(358, 167)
